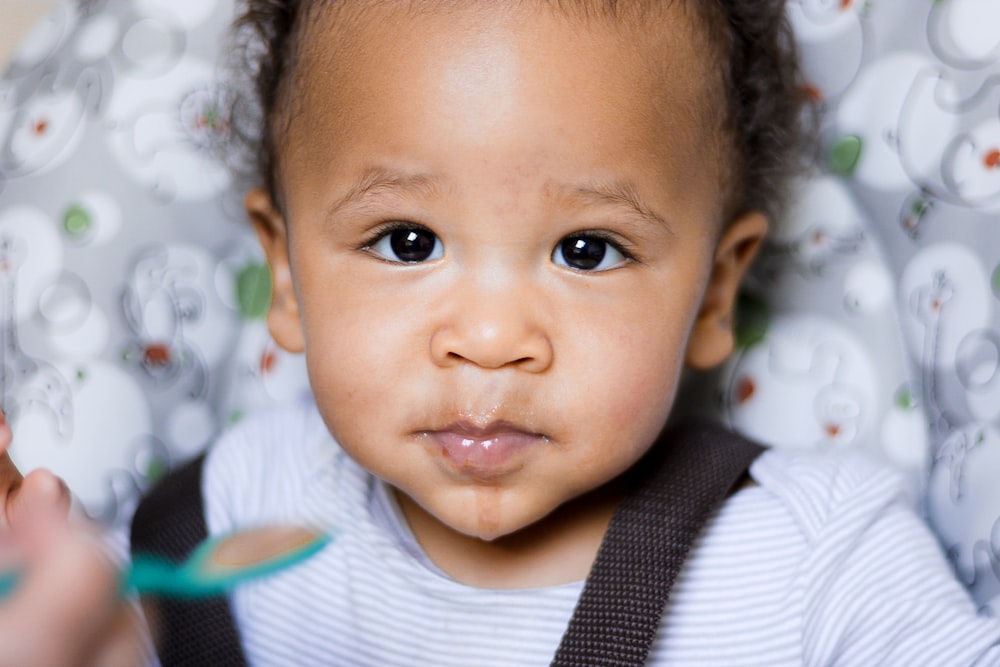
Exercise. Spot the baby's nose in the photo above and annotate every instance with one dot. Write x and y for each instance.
(494, 331)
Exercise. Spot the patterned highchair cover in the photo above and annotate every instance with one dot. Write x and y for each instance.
(873, 321)
(132, 293)
(132, 289)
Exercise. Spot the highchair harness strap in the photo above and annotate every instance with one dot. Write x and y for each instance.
(170, 522)
(623, 600)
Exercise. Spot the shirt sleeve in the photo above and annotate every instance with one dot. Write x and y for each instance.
(879, 589)
(256, 466)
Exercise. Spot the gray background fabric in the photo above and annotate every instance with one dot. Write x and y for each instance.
(130, 305)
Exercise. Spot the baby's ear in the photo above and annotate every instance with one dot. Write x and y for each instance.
(283, 317)
(712, 338)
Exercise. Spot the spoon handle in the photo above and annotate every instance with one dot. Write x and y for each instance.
(216, 566)
(8, 582)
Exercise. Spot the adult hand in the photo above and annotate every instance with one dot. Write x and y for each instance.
(32, 508)
(66, 608)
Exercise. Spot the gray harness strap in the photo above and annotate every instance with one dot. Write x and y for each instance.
(620, 610)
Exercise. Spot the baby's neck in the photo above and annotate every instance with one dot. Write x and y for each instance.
(558, 549)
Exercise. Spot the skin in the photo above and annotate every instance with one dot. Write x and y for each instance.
(499, 133)
(66, 610)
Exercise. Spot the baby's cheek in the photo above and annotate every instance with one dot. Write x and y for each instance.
(642, 384)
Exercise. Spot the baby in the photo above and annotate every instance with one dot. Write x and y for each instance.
(500, 231)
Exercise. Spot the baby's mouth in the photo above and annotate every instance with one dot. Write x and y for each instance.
(484, 452)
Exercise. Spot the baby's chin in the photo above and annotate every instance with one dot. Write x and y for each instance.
(484, 513)
(490, 515)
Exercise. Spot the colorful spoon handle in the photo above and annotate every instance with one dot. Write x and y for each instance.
(8, 582)
(216, 566)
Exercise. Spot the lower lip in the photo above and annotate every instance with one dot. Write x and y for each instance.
(488, 456)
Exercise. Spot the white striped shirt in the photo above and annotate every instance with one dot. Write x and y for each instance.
(821, 563)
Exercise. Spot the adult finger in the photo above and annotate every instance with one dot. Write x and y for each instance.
(10, 476)
(68, 599)
(5, 432)
(39, 495)
(127, 642)
(10, 481)
(39, 500)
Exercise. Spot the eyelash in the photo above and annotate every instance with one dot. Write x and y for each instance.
(385, 229)
(621, 245)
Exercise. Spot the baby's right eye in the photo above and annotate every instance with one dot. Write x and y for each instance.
(407, 244)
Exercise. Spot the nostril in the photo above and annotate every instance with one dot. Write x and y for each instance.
(493, 363)
(493, 345)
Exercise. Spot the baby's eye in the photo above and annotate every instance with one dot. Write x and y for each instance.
(408, 245)
(585, 252)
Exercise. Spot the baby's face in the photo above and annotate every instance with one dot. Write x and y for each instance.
(502, 225)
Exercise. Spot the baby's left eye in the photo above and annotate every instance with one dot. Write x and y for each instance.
(588, 253)
(407, 244)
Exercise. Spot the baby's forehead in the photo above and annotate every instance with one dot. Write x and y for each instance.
(330, 34)
(336, 19)
(659, 42)
(647, 82)
(586, 9)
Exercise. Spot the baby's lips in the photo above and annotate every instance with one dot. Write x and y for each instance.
(486, 455)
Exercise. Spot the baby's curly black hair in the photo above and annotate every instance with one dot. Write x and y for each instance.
(755, 53)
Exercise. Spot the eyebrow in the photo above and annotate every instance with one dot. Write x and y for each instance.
(375, 181)
(621, 194)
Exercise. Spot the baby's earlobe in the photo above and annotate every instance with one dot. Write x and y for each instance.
(281, 290)
(711, 342)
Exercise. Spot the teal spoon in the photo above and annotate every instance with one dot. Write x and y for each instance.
(217, 565)
(8, 582)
